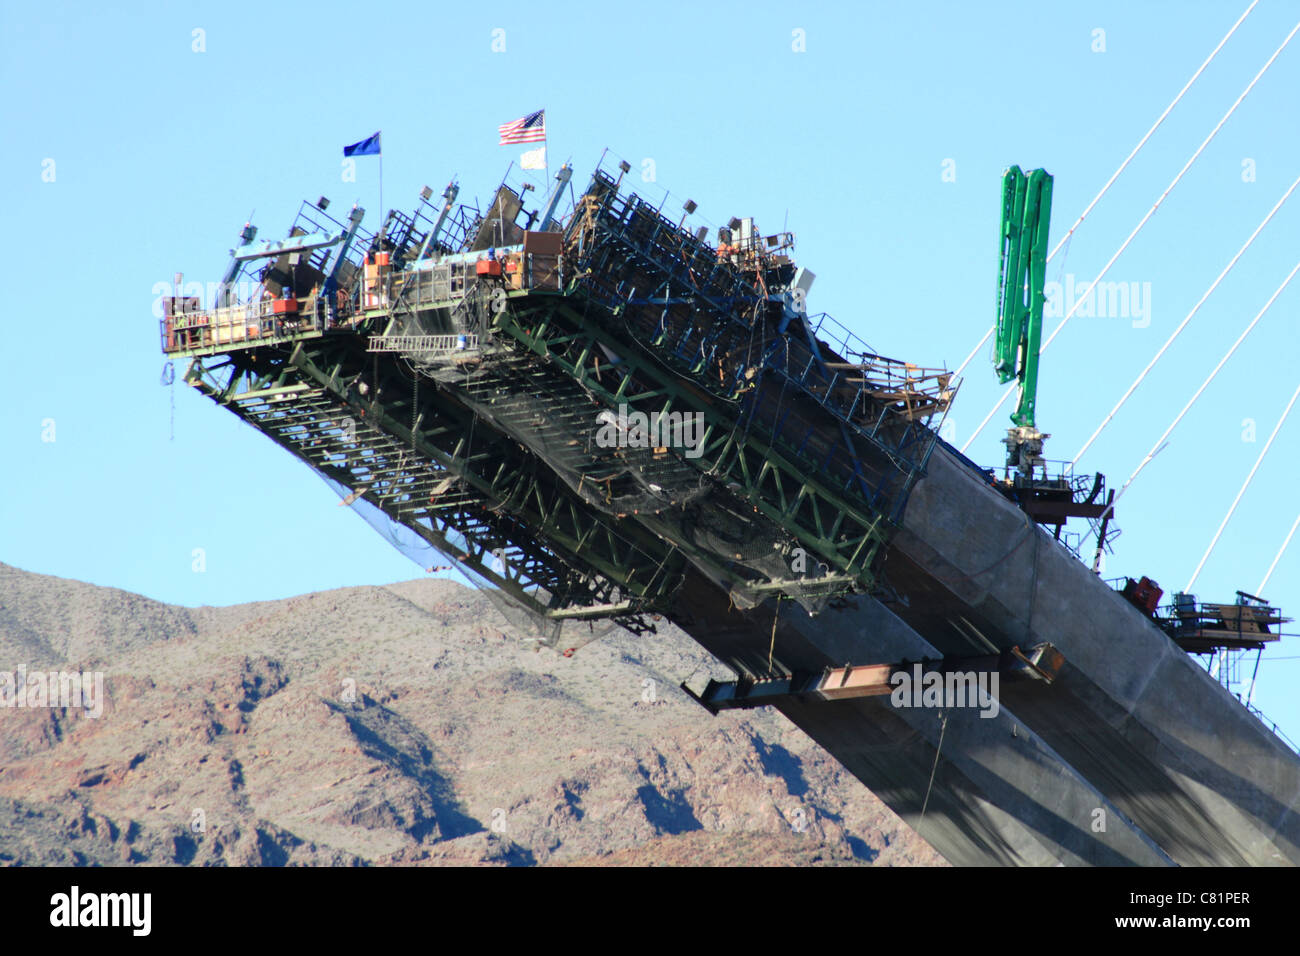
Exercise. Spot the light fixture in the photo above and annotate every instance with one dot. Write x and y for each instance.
(322, 204)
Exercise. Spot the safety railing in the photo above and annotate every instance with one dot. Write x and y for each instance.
(838, 335)
(245, 324)
(631, 259)
(311, 218)
(445, 283)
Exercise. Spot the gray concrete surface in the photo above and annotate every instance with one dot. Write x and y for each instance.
(1133, 713)
(1000, 793)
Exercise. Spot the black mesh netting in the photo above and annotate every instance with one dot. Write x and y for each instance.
(529, 623)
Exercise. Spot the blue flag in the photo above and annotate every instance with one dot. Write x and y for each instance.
(366, 147)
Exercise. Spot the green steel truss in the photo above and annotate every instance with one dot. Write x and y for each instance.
(466, 490)
(775, 480)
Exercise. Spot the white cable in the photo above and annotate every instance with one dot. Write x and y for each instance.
(1159, 446)
(1145, 219)
(1182, 325)
(1246, 484)
(1122, 166)
(1278, 557)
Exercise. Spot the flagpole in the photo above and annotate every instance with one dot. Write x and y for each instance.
(381, 191)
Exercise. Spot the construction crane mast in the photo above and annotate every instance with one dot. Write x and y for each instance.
(1026, 216)
(1022, 239)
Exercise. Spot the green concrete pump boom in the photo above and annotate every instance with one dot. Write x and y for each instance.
(1026, 214)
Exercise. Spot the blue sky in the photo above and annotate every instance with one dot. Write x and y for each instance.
(160, 152)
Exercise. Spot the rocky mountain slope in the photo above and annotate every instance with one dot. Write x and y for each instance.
(407, 724)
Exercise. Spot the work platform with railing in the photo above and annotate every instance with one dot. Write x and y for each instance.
(808, 442)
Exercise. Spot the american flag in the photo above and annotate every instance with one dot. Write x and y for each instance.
(529, 129)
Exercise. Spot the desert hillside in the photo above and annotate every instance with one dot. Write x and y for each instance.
(407, 724)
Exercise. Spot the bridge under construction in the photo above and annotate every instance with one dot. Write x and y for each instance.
(608, 418)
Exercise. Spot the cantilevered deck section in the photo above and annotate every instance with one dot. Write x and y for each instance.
(606, 418)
